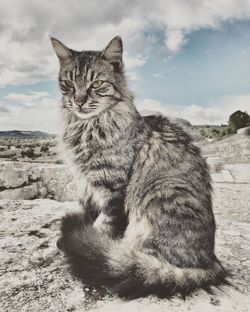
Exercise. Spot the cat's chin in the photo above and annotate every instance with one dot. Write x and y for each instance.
(85, 115)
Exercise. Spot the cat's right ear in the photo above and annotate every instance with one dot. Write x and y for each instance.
(63, 53)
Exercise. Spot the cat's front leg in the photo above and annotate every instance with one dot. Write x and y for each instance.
(89, 210)
(87, 201)
(104, 224)
(112, 219)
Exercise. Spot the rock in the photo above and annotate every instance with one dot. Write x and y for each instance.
(240, 172)
(69, 192)
(227, 176)
(28, 180)
(34, 275)
(58, 182)
(26, 192)
(43, 192)
(23, 180)
(33, 172)
(245, 131)
(215, 163)
(232, 149)
(231, 202)
(12, 176)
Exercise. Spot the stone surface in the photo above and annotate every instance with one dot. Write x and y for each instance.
(25, 192)
(13, 176)
(233, 149)
(239, 172)
(29, 180)
(245, 131)
(33, 274)
(23, 180)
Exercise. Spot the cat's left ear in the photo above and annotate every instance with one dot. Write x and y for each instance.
(113, 52)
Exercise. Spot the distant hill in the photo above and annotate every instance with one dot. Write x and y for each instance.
(24, 134)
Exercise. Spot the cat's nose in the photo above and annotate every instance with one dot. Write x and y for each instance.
(80, 100)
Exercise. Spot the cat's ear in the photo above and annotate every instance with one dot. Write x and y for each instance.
(113, 52)
(63, 53)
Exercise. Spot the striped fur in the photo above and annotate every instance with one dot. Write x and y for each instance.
(147, 224)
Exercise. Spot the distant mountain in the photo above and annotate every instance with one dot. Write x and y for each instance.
(24, 134)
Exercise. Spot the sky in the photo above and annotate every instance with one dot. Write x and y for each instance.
(185, 58)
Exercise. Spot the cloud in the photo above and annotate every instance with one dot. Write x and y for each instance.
(26, 54)
(215, 114)
(3, 110)
(32, 111)
(138, 60)
(28, 100)
(175, 39)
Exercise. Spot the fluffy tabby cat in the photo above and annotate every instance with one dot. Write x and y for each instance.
(147, 225)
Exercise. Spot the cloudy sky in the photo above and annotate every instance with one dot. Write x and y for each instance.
(186, 58)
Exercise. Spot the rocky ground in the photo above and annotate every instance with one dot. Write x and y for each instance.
(232, 149)
(23, 180)
(34, 277)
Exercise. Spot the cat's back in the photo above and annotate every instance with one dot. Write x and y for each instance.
(169, 164)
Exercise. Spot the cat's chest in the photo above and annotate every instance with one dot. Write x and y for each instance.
(82, 145)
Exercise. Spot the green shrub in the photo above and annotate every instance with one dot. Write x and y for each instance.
(28, 152)
(44, 148)
(238, 120)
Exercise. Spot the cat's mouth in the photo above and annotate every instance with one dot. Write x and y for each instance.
(82, 110)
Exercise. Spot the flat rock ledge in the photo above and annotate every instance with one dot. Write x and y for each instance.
(34, 277)
(22, 180)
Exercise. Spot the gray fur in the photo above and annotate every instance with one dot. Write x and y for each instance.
(146, 190)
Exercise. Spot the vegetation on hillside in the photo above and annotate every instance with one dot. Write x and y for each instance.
(236, 121)
(41, 149)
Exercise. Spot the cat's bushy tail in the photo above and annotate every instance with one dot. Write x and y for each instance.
(100, 261)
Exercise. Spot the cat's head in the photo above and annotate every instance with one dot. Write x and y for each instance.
(91, 81)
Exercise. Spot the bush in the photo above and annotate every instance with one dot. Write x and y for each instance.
(223, 132)
(229, 131)
(203, 132)
(28, 152)
(59, 162)
(238, 120)
(215, 132)
(44, 148)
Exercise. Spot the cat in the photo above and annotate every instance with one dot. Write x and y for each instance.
(146, 224)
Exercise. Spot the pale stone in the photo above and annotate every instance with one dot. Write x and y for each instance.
(245, 131)
(51, 180)
(13, 174)
(25, 192)
(34, 274)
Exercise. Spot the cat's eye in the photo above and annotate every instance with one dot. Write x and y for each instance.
(97, 84)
